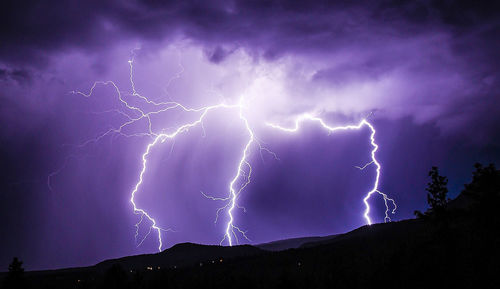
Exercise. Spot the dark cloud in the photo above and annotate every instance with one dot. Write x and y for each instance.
(21, 76)
(218, 54)
(424, 38)
(32, 30)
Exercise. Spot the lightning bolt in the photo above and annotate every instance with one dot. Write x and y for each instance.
(234, 192)
(330, 129)
(243, 169)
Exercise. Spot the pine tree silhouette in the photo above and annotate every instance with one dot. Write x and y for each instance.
(15, 276)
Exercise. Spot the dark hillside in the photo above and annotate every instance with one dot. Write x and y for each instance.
(180, 255)
(292, 243)
(454, 244)
(420, 253)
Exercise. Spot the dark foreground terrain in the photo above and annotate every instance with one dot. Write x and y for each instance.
(416, 253)
(457, 246)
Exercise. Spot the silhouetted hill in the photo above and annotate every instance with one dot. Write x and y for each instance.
(392, 230)
(457, 246)
(458, 249)
(414, 253)
(180, 255)
(292, 243)
(176, 257)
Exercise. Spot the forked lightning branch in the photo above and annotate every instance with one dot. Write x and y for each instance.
(242, 169)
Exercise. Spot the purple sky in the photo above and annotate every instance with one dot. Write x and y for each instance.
(428, 71)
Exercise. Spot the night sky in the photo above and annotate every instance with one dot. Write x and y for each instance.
(424, 73)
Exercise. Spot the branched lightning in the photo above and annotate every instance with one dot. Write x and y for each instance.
(243, 169)
(330, 129)
(364, 166)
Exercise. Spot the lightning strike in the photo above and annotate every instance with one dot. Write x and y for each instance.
(330, 129)
(162, 137)
(243, 169)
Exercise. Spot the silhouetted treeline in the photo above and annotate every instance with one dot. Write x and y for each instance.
(454, 245)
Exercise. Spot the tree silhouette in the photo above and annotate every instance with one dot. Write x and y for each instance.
(436, 194)
(437, 191)
(15, 268)
(485, 181)
(484, 190)
(15, 276)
